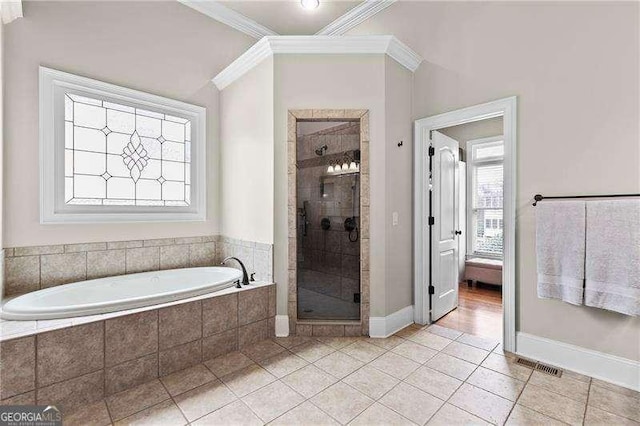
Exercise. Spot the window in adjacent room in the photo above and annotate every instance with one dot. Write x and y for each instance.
(485, 189)
(116, 154)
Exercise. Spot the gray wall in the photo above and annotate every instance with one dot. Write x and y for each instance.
(574, 67)
(161, 47)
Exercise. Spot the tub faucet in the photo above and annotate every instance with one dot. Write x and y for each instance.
(245, 276)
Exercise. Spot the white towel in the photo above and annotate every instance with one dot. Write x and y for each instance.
(560, 250)
(613, 256)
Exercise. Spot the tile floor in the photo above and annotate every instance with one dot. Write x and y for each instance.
(434, 376)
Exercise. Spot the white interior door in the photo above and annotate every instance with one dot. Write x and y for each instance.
(445, 250)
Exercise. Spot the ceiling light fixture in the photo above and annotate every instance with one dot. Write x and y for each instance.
(310, 4)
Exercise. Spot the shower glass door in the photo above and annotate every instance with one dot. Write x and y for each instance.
(328, 220)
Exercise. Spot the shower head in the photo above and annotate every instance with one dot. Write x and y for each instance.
(321, 150)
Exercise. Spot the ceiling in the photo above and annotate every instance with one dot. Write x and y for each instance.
(288, 17)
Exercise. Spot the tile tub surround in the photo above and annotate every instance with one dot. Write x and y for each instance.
(80, 364)
(32, 268)
(357, 380)
(340, 328)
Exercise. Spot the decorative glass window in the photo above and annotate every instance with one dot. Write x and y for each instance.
(116, 154)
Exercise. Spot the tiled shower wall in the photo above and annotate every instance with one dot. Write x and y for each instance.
(32, 268)
(328, 262)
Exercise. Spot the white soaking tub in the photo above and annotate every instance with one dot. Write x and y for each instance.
(119, 293)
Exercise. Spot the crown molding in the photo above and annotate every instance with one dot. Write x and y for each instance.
(229, 17)
(355, 16)
(10, 10)
(318, 45)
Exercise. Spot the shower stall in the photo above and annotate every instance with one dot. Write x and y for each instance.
(328, 220)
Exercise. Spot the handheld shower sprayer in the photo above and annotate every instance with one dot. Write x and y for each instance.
(320, 151)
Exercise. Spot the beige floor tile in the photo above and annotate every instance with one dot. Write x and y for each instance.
(564, 385)
(481, 403)
(338, 364)
(466, 352)
(433, 382)
(615, 388)
(291, 341)
(430, 340)
(95, 414)
(523, 416)
(576, 376)
(262, 350)
(412, 403)
(305, 414)
(225, 364)
(272, 400)
(507, 366)
(552, 404)
(450, 415)
(165, 413)
(614, 402)
(236, 413)
(312, 351)
(282, 364)
(500, 384)
(342, 402)
(449, 333)
(596, 416)
(338, 342)
(309, 381)
(409, 331)
(131, 401)
(204, 400)
(378, 414)
(185, 380)
(478, 341)
(371, 381)
(386, 343)
(247, 380)
(451, 365)
(365, 352)
(395, 365)
(414, 351)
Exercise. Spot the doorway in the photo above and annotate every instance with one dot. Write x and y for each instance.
(476, 306)
(328, 220)
(465, 220)
(352, 323)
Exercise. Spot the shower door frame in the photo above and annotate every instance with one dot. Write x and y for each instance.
(310, 327)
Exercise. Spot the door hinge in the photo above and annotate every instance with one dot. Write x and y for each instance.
(432, 151)
(430, 135)
(432, 220)
(432, 290)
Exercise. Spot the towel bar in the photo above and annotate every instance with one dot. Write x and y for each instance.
(539, 197)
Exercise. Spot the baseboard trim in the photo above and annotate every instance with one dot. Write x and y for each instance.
(620, 371)
(386, 326)
(282, 325)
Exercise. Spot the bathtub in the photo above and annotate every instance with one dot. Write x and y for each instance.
(118, 293)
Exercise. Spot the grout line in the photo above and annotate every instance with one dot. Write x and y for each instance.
(586, 405)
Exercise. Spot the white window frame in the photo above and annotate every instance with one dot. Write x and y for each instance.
(471, 165)
(53, 209)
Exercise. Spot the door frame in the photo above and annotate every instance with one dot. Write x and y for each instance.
(507, 109)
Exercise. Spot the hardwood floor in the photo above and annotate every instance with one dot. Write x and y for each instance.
(479, 311)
